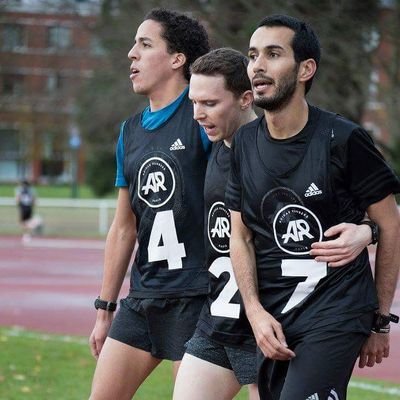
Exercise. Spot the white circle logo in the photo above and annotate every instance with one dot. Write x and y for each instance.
(219, 227)
(295, 228)
(156, 182)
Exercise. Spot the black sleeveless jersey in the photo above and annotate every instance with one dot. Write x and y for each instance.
(165, 171)
(222, 317)
(289, 192)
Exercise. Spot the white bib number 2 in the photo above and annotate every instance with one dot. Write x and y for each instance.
(164, 231)
(222, 307)
(313, 270)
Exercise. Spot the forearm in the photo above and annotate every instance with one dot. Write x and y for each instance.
(387, 266)
(119, 246)
(243, 261)
(386, 214)
(244, 264)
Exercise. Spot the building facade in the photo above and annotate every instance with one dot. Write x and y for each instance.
(47, 51)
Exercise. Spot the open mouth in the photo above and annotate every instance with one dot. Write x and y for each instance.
(210, 129)
(262, 83)
(134, 73)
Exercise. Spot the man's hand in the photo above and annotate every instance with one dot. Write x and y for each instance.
(374, 350)
(269, 336)
(351, 241)
(100, 332)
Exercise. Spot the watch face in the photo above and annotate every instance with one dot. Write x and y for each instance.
(381, 320)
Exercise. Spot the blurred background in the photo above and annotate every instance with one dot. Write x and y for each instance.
(64, 90)
(64, 76)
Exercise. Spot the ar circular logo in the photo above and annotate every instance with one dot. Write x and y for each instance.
(295, 228)
(274, 200)
(219, 227)
(156, 182)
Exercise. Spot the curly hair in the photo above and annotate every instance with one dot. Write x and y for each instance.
(182, 35)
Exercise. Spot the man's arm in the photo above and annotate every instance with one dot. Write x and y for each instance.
(119, 246)
(386, 214)
(267, 330)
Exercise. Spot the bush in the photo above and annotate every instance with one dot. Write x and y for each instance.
(101, 173)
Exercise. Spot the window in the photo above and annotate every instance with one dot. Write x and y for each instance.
(9, 143)
(10, 157)
(59, 37)
(96, 46)
(12, 36)
(12, 84)
(55, 82)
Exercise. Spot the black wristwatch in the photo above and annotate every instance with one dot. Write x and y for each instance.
(374, 230)
(381, 322)
(104, 305)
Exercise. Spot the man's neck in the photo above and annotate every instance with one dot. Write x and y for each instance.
(247, 117)
(289, 121)
(166, 93)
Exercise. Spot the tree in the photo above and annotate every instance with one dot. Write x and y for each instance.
(387, 64)
(108, 99)
(341, 84)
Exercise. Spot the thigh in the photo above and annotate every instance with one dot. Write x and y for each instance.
(253, 392)
(120, 370)
(198, 379)
(323, 365)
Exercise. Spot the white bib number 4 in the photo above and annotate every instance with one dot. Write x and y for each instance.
(164, 231)
(314, 271)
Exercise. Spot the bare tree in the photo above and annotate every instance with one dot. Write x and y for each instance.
(341, 83)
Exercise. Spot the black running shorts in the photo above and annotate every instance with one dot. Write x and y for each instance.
(158, 326)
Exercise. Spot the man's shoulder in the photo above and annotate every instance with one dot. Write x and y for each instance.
(247, 131)
(342, 127)
(130, 123)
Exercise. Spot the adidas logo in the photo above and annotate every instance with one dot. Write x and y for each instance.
(312, 190)
(333, 395)
(177, 145)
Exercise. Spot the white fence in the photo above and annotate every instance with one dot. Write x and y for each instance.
(103, 208)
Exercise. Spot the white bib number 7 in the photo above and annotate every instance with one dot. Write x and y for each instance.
(313, 270)
(222, 307)
(164, 231)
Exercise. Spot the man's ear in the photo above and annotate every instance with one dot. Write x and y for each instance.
(178, 60)
(307, 70)
(246, 99)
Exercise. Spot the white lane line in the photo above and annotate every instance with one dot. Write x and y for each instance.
(373, 387)
(17, 331)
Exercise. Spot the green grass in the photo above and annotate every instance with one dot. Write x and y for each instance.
(58, 222)
(42, 367)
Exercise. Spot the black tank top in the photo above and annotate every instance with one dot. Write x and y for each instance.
(222, 317)
(165, 170)
(288, 204)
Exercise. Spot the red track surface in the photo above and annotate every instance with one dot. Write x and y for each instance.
(49, 285)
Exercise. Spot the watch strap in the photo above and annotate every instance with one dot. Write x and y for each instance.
(374, 230)
(381, 322)
(105, 305)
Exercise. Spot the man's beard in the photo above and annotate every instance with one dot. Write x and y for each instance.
(284, 92)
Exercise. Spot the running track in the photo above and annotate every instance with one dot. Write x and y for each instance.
(49, 285)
